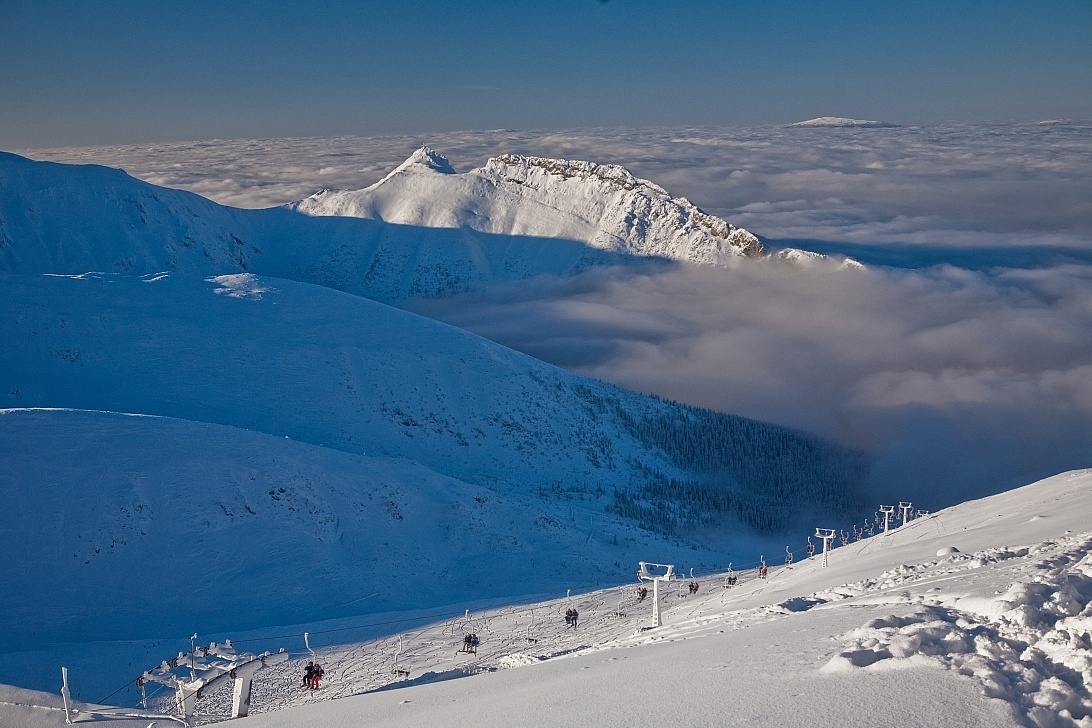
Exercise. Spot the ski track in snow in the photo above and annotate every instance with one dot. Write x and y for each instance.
(1027, 644)
(940, 595)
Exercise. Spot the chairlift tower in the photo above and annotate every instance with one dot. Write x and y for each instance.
(645, 575)
(905, 508)
(827, 534)
(887, 512)
(207, 667)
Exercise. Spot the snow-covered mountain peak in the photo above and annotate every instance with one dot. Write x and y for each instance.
(519, 168)
(602, 206)
(428, 158)
(841, 121)
(809, 259)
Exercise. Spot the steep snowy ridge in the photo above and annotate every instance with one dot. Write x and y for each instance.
(604, 206)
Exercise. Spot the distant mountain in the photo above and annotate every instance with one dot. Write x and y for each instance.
(841, 121)
(602, 206)
(69, 219)
(58, 218)
(808, 259)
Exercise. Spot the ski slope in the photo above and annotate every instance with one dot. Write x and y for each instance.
(181, 451)
(977, 615)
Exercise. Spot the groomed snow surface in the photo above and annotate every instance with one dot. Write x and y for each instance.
(978, 615)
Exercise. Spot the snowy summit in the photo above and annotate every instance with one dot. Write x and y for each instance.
(601, 205)
(842, 121)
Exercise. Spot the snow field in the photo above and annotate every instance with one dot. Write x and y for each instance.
(1025, 645)
(994, 634)
(722, 622)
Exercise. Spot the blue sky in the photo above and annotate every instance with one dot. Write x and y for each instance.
(117, 72)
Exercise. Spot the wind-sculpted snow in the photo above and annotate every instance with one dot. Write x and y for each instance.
(1030, 644)
(604, 206)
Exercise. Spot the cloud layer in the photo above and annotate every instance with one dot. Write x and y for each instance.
(959, 383)
(958, 184)
(960, 380)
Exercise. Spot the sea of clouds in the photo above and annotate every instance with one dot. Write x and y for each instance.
(1025, 183)
(961, 359)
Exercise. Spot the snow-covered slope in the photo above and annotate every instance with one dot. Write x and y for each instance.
(126, 526)
(996, 633)
(978, 615)
(532, 459)
(604, 206)
(57, 218)
(336, 370)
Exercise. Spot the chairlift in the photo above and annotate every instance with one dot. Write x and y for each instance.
(811, 548)
(527, 636)
(395, 669)
(470, 643)
(313, 667)
(763, 571)
(207, 668)
(788, 558)
(470, 635)
(730, 578)
(620, 612)
(827, 534)
(644, 574)
(843, 537)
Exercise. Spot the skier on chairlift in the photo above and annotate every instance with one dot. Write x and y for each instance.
(308, 674)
